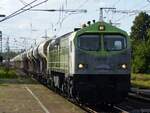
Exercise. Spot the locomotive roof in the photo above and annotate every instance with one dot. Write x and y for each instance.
(108, 28)
(94, 28)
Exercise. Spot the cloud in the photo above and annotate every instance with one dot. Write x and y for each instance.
(24, 24)
(20, 25)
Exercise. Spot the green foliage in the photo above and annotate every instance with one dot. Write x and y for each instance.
(140, 27)
(141, 58)
(7, 74)
(140, 80)
(140, 35)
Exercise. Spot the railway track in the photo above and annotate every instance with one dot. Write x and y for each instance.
(145, 93)
(135, 103)
(132, 104)
(100, 108)
(95, 108)
(104, 109)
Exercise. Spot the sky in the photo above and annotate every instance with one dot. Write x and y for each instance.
(28, 28)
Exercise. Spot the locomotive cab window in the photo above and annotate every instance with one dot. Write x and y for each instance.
(89, 42)
(114, 42)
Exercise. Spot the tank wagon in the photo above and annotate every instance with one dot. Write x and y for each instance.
(90, 65)
(43, 61)
(16, 62)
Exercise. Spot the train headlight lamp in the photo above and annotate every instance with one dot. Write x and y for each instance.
(80, 66)
(124, 66)
(101, 27)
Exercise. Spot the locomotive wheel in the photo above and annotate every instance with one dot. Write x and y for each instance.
(70, 92)
(65, 89)
(70, 89)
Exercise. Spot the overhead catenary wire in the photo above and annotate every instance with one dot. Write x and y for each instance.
(61, 17)
(114, 5)
(130, 12)
(60, 13)
(76, 11)
(23, 9)
(71, 12)
(64, 13)
(64, 10)
(18, 11)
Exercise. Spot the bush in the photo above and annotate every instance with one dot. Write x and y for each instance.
(7, 73)
(141, 58)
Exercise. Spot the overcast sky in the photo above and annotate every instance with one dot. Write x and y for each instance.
(33, 25)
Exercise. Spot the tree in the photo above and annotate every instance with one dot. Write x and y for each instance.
(11, 54)
(140, 35)
(140, 27)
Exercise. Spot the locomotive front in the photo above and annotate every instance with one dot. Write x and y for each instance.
(102, 64)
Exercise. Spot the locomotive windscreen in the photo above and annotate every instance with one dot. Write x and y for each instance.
(114, 42)
(89, 42)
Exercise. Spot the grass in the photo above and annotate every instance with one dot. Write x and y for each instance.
(11, 77)
(141, 81)
(7, 74)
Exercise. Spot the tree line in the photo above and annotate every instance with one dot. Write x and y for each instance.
(140, 38)
(6, 55)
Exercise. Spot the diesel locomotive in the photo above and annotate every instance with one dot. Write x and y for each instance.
(89, 65)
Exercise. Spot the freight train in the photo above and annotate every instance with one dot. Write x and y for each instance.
(90, 64)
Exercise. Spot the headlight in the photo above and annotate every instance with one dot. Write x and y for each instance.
(124, 66)
(80, 66)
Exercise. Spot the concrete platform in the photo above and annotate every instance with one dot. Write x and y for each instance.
(32, 98)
